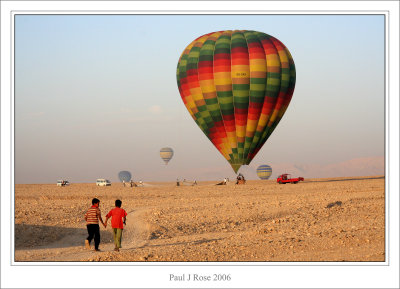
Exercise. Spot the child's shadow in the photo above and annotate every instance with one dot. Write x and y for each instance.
(39, 236)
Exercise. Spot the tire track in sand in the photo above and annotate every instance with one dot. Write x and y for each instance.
(136, 232)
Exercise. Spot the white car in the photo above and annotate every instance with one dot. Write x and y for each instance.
(103, 182)
(62, 183)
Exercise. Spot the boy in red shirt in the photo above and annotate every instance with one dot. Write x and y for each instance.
(117, 222)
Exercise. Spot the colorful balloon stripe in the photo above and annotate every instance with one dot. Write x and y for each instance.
(264, 172)
(236, 85)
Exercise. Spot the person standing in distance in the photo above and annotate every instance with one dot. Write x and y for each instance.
(92, 217)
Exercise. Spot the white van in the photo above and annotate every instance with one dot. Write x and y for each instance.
(103, 182)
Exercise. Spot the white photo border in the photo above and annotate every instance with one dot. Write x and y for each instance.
(244, 275)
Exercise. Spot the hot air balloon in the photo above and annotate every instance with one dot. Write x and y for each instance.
(124, 176)
(236, 85)
(166, 154)
(264, 172)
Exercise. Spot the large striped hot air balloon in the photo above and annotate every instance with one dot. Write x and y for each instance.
(236, 85)
(166, 154)
(264, 172)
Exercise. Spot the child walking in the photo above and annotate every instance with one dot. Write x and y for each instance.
(92, 217)
(117, 223)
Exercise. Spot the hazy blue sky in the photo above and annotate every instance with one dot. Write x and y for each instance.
(96, 94)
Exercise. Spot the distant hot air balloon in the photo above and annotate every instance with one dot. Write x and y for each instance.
(166, 154)
(264, 172)
(236, 85)
(124, 176)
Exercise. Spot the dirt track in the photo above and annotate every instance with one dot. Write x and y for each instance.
(316, 220)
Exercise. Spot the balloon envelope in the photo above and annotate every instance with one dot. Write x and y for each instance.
(124, 176)
(236, 85)
(264, 172)
(166, 154)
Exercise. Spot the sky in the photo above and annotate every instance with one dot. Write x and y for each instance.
(97, 94)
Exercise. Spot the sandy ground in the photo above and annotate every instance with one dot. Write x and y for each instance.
(340, 219)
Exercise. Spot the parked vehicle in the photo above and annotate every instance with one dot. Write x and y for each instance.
(62, 183)
(103, 182)
(287, 178)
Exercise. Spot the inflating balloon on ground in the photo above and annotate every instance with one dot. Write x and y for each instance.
(124, 176)
(264, 172)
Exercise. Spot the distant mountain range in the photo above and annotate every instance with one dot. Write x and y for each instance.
(370, 166)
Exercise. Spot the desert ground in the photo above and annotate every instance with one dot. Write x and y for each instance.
(336, 219)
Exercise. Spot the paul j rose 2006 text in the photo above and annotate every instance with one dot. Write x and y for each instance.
(199, 277)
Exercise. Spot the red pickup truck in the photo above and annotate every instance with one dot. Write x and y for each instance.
(287, 178)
